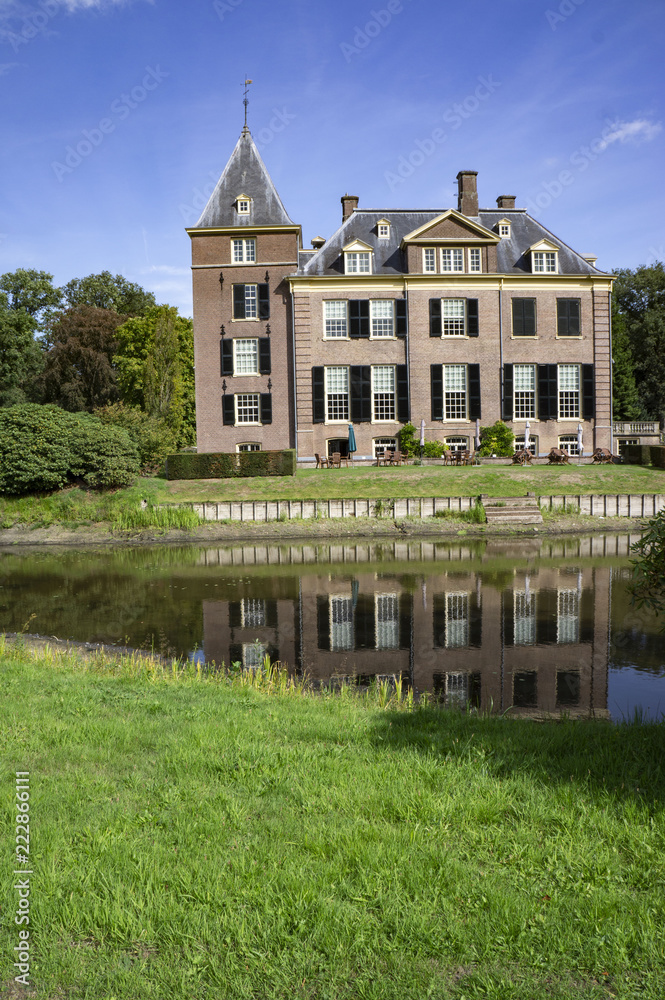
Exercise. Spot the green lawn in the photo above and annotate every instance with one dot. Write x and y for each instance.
(207, 839)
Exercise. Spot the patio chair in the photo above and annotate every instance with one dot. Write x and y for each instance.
(321, 461)
(447, 457)
(335, 460)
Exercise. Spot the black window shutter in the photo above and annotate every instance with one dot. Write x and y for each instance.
(436, 385)
(472, 327)
(264, 355)
(318, 395)
(226, 356)
(358, 318)
(507, 392)
(271, 614)
(402, 394)
(568, 317)
(228, 410)
(360, 385)
(473, 409)
(439, 620)
(266, 408)
(529, 314)
(235, 653)
(548, 404)
(264, 301)
(238, 301)
(234, 614)
(323, 622)
(435, 317)
(363, 622)
(475, 622)
(546, 616)
(401, 326)
(508, 608)
(588, 392)
(405, 620)
(518, 318)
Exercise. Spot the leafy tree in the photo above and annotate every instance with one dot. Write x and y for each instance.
(626, 403)
(497, 440)
(106, 291)
(21, 357)
(155, 364)
(78, 371)
(152, 436)
(649, 567)
(43, 448)
(30, 291)
(639, 296)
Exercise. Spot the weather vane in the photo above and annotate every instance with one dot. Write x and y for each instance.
(246, 99)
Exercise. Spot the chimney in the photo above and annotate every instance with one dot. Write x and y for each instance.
(505, 201)
(467, 192)
(317, 242)
(349, 205)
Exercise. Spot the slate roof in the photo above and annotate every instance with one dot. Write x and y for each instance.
(245, 173)
(512, 253)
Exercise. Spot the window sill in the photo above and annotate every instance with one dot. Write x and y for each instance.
(572, 336)
(524, 336)
(247, 319)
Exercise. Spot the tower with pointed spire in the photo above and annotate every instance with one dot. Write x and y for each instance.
(243, 246)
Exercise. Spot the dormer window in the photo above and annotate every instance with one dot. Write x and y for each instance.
(383, 229)
(243, 204)
(357, 258)
(504, 230)
(544, 262)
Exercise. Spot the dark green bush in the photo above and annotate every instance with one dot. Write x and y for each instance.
(222, 465)
(432, 449)
(153, 437)
(43, 448)
(497, 440)
(658, 455)
(637, 454)
(409, 443)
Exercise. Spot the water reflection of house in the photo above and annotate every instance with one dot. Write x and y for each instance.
(534, 642)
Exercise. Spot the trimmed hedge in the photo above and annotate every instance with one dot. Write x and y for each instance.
(222, 465)
(645, 454)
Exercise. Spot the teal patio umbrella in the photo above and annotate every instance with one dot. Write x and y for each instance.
(352, 441)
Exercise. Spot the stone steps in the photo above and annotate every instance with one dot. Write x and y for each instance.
(512, 510)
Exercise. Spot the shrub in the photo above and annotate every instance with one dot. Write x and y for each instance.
(153, 437)
(409, 443)
(222, 465)
(497, 440)
(43, 448)
(433, 449)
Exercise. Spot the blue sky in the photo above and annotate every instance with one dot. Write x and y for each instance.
(119, 115)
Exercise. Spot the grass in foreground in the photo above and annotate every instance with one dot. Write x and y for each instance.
(215, 839)
(122, 508)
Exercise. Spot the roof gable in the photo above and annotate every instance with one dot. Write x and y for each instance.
(451, 226)
(244, 176)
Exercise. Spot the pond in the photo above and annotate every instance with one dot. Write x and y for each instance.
(526, 626)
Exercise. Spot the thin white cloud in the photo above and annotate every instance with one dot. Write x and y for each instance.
(166, 269)
(639, 130)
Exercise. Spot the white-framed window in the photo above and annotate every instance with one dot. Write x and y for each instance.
(358, 262)
(248, 446)
(456, 689)
(251, 299)
(452, 259)
(384, 444)
(524, 618)
(341, 623)
(524, 392)
(383, 392)
(533, 443)
(245, 356)
(253, 654)
(247, 407)
(243, 205)
(474, 260)
(337, 393)
(454, 392)
(453, 317)
(252, 612)
(622, 442)
(386, 617)
(382, 312)
(457, 620)
(456, 443)
(544, 262)
(567, 615)
(383, 230)
(244, 251)
(504, 229)
(335, 318)
(569, 444)
(569, 392)
(429, 259)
